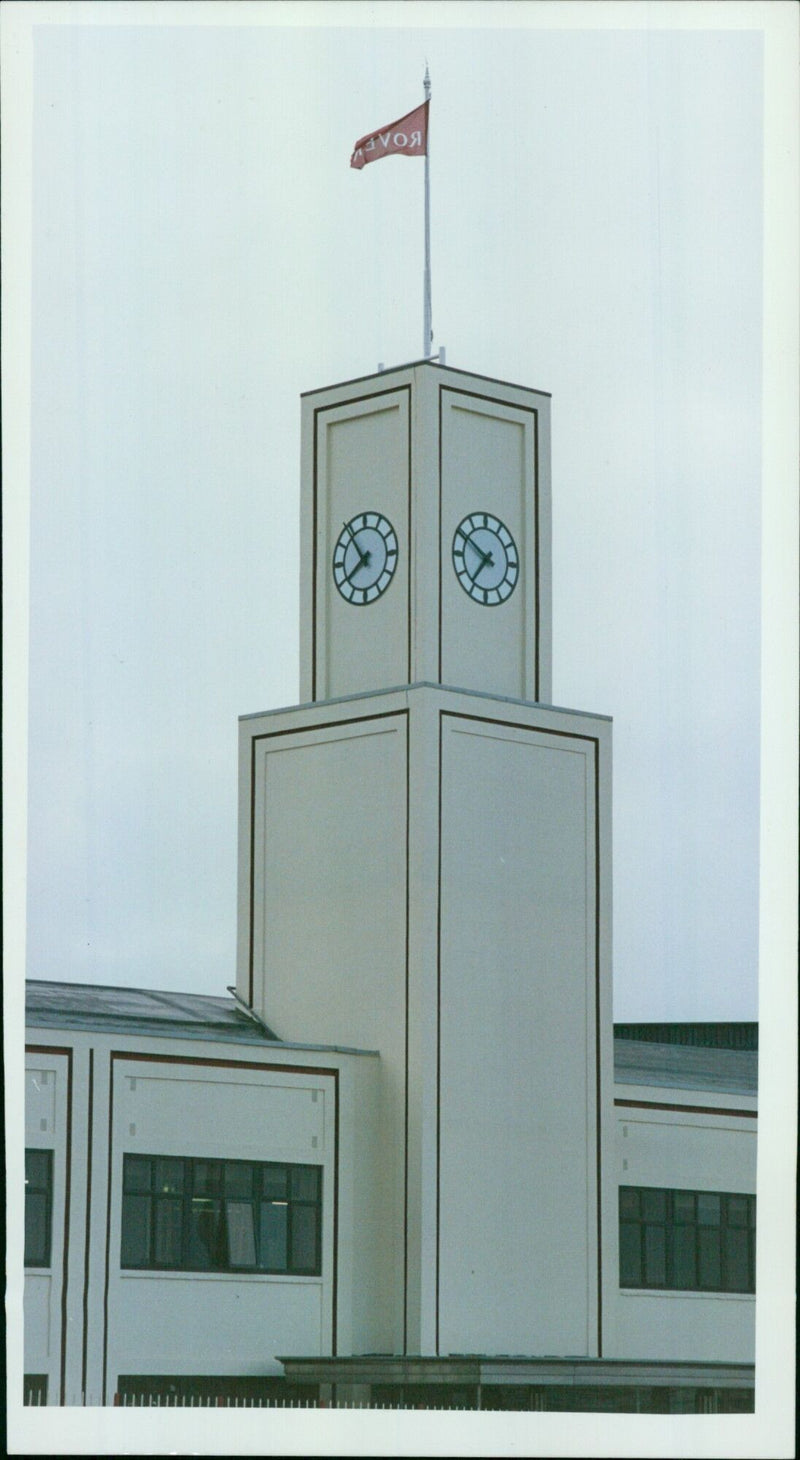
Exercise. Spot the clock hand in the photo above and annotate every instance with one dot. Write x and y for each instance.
(486, 561)
(486, 558)
(362, 563)
(364, 557)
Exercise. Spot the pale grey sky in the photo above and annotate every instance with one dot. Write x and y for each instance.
(202, 253)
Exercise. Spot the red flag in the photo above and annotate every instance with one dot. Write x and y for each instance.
(408, 135)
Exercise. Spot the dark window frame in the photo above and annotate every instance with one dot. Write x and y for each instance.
(34, 1389)
(42, 1257)
(698, 1254)
(193, 1188)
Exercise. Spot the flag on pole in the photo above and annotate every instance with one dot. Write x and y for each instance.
(408, 135)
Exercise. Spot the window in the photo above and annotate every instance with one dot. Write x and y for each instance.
(193, 1215)
(38, 1207)
(699, 1240)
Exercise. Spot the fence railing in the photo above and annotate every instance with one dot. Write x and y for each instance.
(226, 1401)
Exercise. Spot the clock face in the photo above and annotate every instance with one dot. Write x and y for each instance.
(364, 558)
(485, 559)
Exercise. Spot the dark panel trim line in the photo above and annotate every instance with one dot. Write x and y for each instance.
(192, 1059)
(598, 1068)
(520, 725)
(275, 735)
(108, 1224)
(439, 555)
(409, 541)
(333, 724)
(67, 1052)
(531, 411)
(405, 1091)
(335, 1272)
(179, 1059)
(438, 1026)
(251, 929)
(536, 555)
(690, 1109)
(314, 469)
(87, 1239)
(396, 390)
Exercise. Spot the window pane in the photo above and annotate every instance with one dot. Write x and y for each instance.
(304, 1239)
(655, 1255)
(36, 1243)
(683, 1206)
(654, 1205)
(135, 1231)
(630, 1255)
(709, 1208)
(37, 1169)
(206, 1245)
(709, 1254)
(241, 1236)
(305, 1183)
(274, 1185)
(137, 1173)
(273, 1227)
(238, 1179)
(169, 1230)
(684, 1257)
(752, 1202)
(169, 1175)
(736, 1246)
(737, 1211)
(628, 1202)
(207, 1176)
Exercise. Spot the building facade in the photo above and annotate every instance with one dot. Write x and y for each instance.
(426, 1143)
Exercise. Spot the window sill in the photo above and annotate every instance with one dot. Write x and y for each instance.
(164, 1274)
(704, 1293)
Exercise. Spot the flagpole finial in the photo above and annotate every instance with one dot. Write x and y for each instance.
(427, 83)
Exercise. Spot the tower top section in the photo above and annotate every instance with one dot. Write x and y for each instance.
(425, 534)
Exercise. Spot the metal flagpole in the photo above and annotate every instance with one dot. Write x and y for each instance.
(427, 312)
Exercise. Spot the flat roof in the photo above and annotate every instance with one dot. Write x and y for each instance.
(396, 689)
(685, 1066)
(154, 1012)
(681, 1058)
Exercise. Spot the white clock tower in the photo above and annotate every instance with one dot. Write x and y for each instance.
(425, 870)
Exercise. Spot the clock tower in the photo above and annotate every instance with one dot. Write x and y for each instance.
(456, 468)
(424, 870)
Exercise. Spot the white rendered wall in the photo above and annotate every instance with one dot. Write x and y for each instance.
(195, 1098)
(518, 1146)
(188, 1322)
(710, 1149)
(419, 874)
(47, 1110)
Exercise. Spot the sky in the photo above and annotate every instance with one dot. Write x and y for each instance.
(201, 253)
(185, 250)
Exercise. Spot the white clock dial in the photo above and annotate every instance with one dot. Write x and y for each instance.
(364, 558)
(485, 559)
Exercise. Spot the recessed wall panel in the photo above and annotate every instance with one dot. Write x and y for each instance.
(330, 922)
(488, 465)
(362, 466)
(517, 1157)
